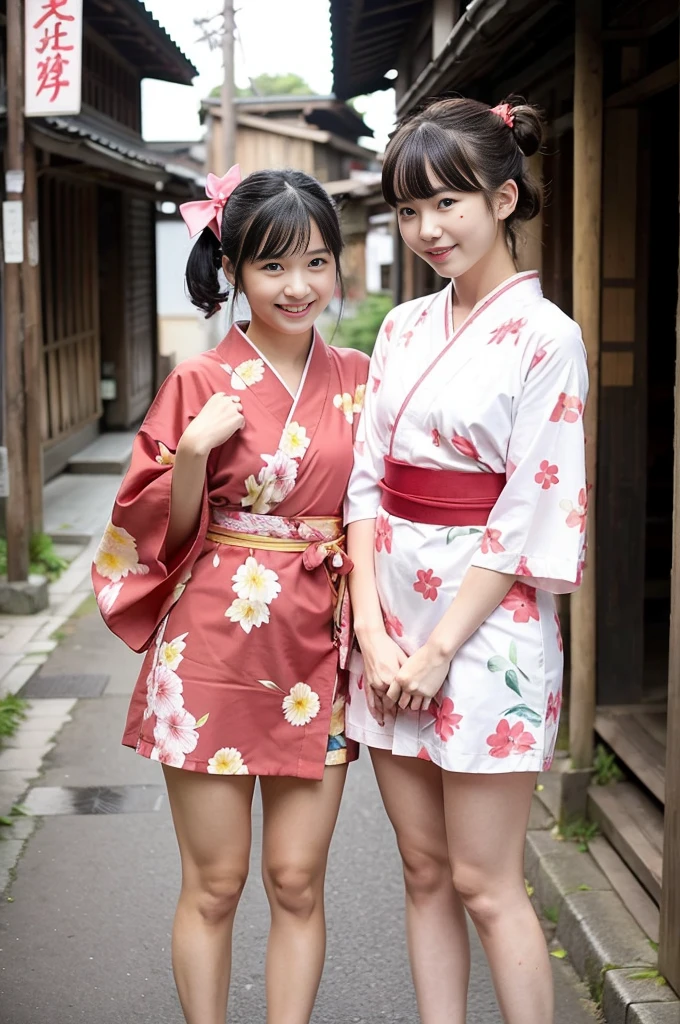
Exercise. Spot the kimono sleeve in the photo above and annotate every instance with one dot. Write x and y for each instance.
(537, 527)
(134, 582)
(371, 444)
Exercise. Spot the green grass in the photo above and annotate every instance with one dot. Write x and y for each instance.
(606, 769)
(43, 559)
(12, 713)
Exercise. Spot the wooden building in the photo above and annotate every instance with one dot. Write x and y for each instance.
(92, 187)
(606, 74)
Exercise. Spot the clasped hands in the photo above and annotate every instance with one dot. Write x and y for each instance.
(393, 679)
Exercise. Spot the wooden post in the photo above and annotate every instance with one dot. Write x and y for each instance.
(15, 413)
(228, 109)
(669, 928)
(33, 361)
(586, 311)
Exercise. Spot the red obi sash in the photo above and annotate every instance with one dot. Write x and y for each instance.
(439, 497)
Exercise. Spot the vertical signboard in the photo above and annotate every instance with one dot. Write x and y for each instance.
(54, 57)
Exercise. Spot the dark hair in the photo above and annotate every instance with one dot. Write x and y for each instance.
(469, 148)
(267, 216)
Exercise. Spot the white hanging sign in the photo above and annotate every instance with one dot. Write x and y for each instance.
(54, 57)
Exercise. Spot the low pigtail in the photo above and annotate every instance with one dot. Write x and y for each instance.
(202, 274)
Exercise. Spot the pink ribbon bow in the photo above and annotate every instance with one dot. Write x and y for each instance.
(504, 111)
(207, 213)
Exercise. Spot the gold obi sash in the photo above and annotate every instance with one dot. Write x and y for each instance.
(320, 541)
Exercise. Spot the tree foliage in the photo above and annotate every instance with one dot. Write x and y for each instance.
(273, 85)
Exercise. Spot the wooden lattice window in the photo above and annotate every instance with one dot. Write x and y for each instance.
(110, 86)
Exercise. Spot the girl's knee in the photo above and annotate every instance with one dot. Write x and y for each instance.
(485, 898)
(216, 894)
(425, 873)
(293, 889)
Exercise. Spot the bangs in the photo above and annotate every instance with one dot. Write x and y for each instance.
(416, 156)
(283, 226)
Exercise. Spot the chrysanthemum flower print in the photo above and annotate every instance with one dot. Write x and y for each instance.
(248, 614)
(246, 374)
(170, 653)
(106, 598)
(254, 582)
(301, 705)
(117, 555)
(294, 441)
(227, 761)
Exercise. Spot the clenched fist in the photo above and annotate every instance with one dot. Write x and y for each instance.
(218, 420)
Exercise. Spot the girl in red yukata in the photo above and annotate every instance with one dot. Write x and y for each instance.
(466, 513)
(224, 560)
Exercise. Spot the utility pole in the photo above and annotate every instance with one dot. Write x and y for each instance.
(17, 518)
(228, 109)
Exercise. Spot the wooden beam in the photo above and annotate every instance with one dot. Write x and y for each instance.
(587, 227)
(15, 413)
(669, 947)
(658, 81)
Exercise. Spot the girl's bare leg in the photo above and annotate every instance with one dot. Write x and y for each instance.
(211, 814)
(299, 818)
(436, 928)
(486, 821)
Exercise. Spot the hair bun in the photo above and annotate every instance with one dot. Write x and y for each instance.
(527, 127)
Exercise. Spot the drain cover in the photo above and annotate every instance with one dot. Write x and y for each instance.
(48, 800)
(64, 686)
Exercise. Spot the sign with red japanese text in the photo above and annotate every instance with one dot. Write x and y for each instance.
(54, 56)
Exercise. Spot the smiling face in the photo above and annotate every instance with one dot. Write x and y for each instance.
(286, 295)
(453, 231)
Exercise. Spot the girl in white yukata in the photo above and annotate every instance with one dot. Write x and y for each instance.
(466, 514)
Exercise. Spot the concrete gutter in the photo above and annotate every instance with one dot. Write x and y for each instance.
(605, 945)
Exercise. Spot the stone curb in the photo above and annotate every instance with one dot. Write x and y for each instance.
(26, 642)
(605, 945)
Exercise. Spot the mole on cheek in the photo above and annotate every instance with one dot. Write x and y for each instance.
(461, 216)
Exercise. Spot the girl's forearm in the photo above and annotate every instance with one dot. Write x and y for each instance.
(366, 610)
(480, 593)
(186, 495)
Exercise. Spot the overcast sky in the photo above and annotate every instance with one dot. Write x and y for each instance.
(276, 36)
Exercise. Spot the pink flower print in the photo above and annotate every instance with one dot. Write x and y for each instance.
(553, 710)
(508, 329)
(446, 721)
(547, 475)
(423, 755)
(360, 447)
(521, 601)
(560, 643)
(506, 740)
(427, 584)
(547, 764)
(522, 567)
(539, 356)
(383, 534)
(579, 572)
(421, 319)
(436, 438)
(176, 733)
(577, 515)
(510, 468)
(569, 408)
(465, 447)
(376, 383)
(491, 542)
(406, 338)
(163, 692)
(389, 326)
(393, 625)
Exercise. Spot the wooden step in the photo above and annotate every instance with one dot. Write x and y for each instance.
(110, 453)
(625, 884)
(638, 738)
(633, 824)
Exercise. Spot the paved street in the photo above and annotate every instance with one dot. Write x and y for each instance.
(87, 935)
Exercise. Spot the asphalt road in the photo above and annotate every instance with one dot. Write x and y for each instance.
(87, 934)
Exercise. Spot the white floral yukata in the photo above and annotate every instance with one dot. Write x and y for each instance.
(503, 394)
